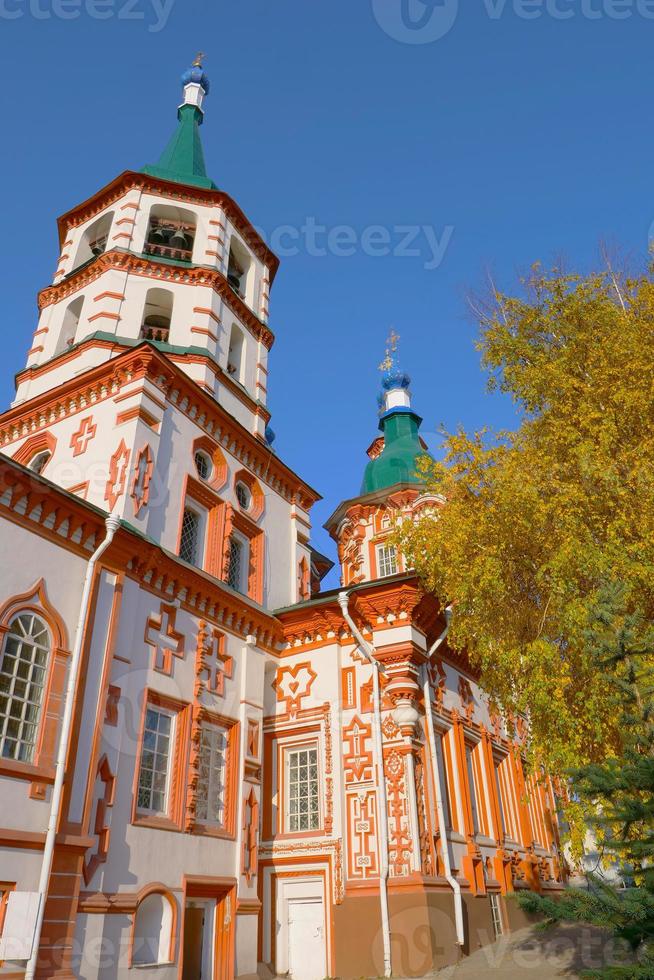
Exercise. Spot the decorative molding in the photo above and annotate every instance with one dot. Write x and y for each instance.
(79, 441)
(292, 684)
(166, 642)
(118, 466)
(137, 265)
(144, 362)
(143, 469)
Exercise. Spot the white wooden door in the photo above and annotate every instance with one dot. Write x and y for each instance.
(306, 939)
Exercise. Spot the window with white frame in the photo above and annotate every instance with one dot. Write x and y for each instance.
(302, 789)
(23, 667)
(211, 795)
(155, 763)
(190, 542)
(386, 560)
(237, 573)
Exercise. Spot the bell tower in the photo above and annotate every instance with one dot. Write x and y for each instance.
(146, 381)
(161, 255)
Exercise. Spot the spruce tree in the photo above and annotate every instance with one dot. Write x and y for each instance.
(619, 794)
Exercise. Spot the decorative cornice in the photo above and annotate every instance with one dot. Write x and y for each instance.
(71, 523)
(131, 180)
(29, 500)
(139, 265)
(106, 380)
(177, 355)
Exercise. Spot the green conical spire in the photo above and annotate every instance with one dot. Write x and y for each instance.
(183, 158)
(398, 460)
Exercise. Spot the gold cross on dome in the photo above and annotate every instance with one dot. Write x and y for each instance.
(198, 59)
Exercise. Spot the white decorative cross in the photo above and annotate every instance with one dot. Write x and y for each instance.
(161, 634)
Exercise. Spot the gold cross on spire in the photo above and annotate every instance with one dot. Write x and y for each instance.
(198, 59)
(391, 350)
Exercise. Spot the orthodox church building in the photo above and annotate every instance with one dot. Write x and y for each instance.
(208, 767)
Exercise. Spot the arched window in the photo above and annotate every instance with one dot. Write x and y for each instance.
(235, 356)
(39, 461)
(153, 938)
(69, 325)
(238, 267)
(94, 239)
(157, 315)
(171, 233)
(23, 665)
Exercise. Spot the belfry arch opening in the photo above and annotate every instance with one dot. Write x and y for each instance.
(171, 233)
(236, 354)
(157, 315)
(94, 240)
(69, 325)
(238, 267)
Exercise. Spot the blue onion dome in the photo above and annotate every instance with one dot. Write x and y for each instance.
(394, 378)
(196, 75)
(270, 435)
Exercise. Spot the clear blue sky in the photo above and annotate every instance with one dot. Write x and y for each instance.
(530, 138)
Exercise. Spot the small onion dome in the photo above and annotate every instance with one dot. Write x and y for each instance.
(270, 435)
(394, 378)
(196, 75)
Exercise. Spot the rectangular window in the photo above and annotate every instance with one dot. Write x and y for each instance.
(445, 795)
(386, 560)
(190, 542)
(237, 575)
(303, 802)
(498, 790)
(23, 663)
(156, 754)
(473, 790)
(210, 806)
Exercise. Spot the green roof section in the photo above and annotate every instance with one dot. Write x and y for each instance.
(183, 159)
(398, 461)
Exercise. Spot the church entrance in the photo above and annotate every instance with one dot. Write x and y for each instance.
(208, 934)
(306, 939)
(199, 919)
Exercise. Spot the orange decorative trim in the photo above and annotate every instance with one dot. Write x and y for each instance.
(137, 412)
(105, 314)
(207, 312)
(80, 439)
(166, 642)
(100, 829)
(102, 382)
(108, 295)
(118, 465)
(256, 492)
(43, 442)
(203, 331)
(292, 684)
(149, 267)
(143, 469)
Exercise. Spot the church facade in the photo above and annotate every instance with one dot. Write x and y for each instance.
(209, 767)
